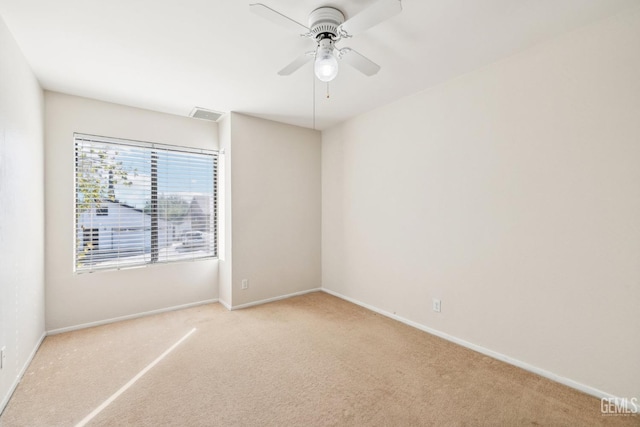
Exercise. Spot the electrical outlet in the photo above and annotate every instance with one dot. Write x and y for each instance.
(436, 305)
(3, 356)
(245, 283)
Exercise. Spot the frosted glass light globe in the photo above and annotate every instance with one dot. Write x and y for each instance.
(326, 65)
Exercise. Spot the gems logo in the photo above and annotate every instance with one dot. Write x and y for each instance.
(615, 406)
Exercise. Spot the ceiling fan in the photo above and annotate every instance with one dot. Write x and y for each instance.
(327, 26)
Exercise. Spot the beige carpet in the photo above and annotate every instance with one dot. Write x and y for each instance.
(306, 361)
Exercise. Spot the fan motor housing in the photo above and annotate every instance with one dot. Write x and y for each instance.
(324, 22)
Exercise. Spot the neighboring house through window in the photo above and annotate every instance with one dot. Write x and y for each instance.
(140, 203)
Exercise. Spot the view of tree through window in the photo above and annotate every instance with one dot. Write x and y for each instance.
(139, 203)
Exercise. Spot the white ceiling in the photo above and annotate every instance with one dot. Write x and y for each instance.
(170, 55)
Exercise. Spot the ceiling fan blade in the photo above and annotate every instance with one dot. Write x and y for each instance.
(296, 64)
(278, 18)
(359, 62)
(373, 15)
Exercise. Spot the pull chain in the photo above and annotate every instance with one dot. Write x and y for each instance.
(328, 95)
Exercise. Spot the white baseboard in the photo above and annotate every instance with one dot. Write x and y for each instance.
(17, 380)
(264, 301)
(225, 304)
(128, 317)
(487, 352)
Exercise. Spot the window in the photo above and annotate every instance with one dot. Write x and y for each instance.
(140, 203)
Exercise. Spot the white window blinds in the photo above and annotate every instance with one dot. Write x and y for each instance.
(139, 203)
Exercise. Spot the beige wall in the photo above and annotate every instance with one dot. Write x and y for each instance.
(225, 217)
(72, 299)
(275, 184)
(21, 213)
(513, 195)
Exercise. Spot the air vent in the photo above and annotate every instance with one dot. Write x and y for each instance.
(204, 114)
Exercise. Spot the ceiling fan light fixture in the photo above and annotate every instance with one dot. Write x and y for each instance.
(327, 26)
(326, 63)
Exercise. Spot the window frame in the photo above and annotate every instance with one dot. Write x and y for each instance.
(151, 149)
